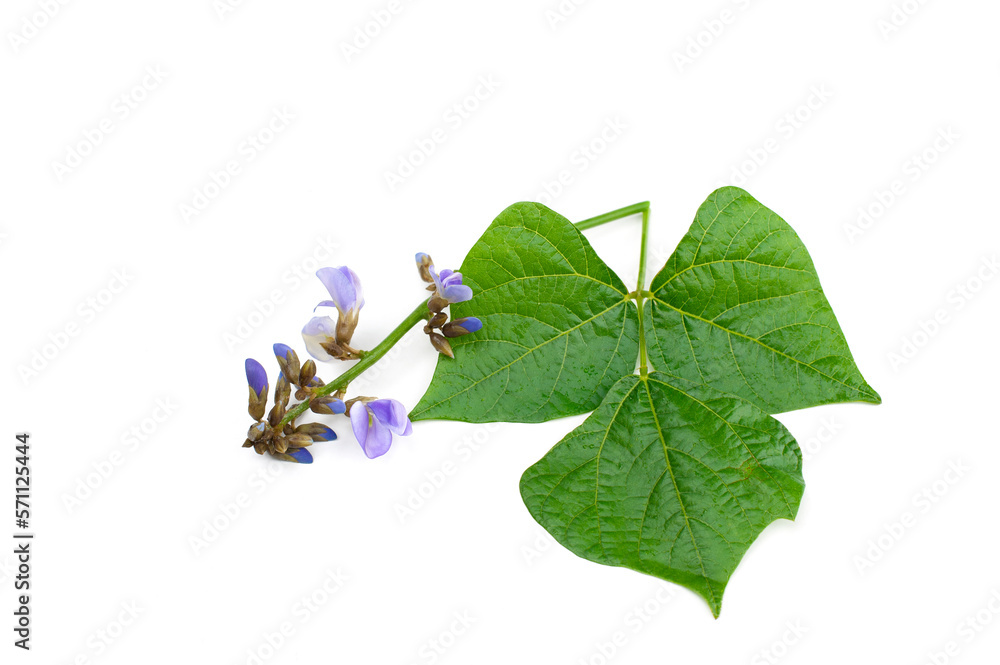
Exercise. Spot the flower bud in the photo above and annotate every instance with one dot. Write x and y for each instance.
(288, 360)
(464, 326)
(442, 345)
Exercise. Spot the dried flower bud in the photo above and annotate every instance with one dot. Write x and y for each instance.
(437, 304)
(275, 416)
(438, 320)
(442, 345)
(282, 391)
(280, 445)
(288, 360)
(298, 440)
(256, 432)
(307, 373)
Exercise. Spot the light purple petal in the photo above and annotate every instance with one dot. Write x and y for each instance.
(341, 287)
(316, 332)
(436, 277)
(392, 414)
(359, 422)
(379, 440)
(451, 279)
(325, 303)
(359, 295)
(457, 293)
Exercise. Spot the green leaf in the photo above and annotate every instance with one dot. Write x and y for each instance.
(668, 478)
(739, 307)
(558, 327)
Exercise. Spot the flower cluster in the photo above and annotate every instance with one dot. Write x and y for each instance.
(374, 421)
(284, 440)
(448, 290)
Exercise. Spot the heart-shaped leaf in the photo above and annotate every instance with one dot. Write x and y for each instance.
(739, 307)
(558, 327)
(668, 478)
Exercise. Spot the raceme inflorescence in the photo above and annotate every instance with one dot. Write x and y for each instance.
(680, 465)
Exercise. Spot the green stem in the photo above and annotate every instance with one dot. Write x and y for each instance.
(639, 294)
(640, 285)
(621, 213)
(418, 315)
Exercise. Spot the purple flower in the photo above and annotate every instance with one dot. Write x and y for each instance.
(256, 377)
(345, 290)
(449, 285)
(374, 424)
(320, 330)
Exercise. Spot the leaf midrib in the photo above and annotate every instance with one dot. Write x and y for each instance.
(766, 346)
(623, 301)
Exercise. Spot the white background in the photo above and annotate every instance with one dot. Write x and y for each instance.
(182, 324)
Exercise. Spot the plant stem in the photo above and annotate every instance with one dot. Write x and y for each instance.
(421, 313)
(640, 285)
(639, 294)
(621, 213)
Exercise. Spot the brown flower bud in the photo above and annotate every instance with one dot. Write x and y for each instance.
(290, 366)
(282, 391)
(256, 407)
(256, 433)
(442, 345)
(307, 372)
(437, 304)
(298, 440)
